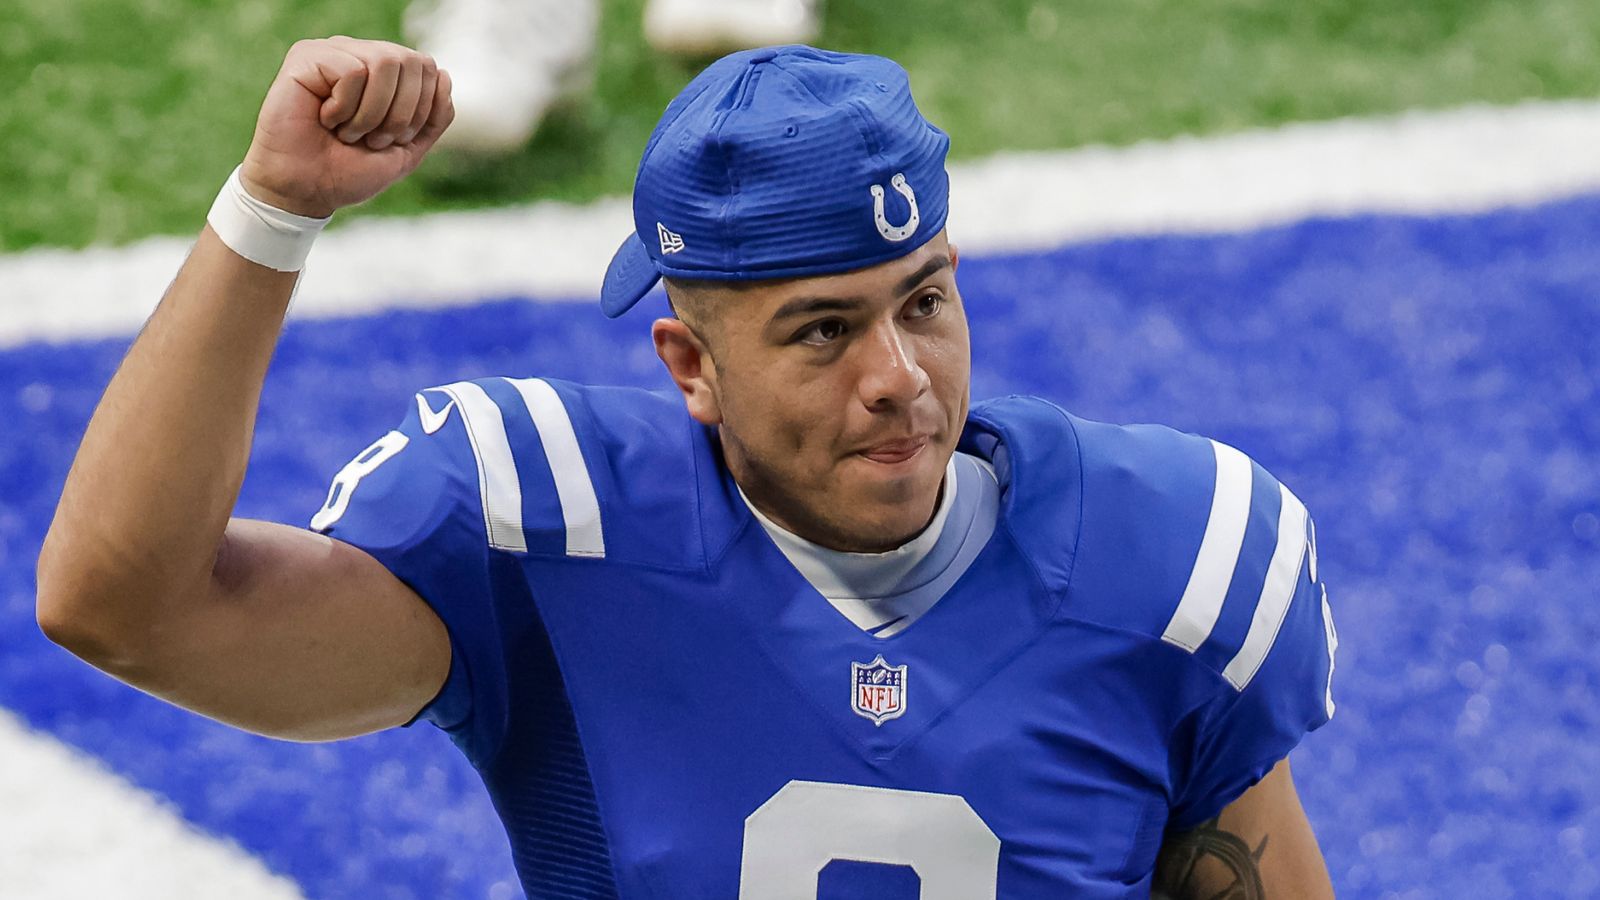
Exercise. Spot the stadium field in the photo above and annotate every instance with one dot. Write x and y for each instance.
(121, 118)
(1416, 352)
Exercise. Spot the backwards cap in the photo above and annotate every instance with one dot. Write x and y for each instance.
(782, 162)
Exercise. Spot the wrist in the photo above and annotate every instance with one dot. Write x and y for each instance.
(261, 231)
(294, 206)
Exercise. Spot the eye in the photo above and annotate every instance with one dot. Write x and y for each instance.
(825, 332)
(925, 306)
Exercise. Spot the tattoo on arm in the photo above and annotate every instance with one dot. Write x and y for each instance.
(1207, 863)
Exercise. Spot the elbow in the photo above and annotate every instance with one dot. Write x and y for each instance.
(72, 634)
(61, 612)
(75, 627)
(54, 619)
(74, 613)
(69, 630)
(53, 604)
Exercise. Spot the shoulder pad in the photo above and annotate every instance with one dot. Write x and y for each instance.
(1189, 540)
(576, 471)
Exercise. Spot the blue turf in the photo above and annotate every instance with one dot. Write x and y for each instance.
(1427, 386)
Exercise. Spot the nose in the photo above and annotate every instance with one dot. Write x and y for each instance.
(889, 375)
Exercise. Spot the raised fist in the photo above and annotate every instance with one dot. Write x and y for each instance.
(344, 119)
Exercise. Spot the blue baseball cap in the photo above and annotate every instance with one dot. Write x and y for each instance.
(782, 162)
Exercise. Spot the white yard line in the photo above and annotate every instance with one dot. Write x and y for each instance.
(1426, 162)
(69, 829)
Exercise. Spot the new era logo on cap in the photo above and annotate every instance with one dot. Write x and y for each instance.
(671, 241)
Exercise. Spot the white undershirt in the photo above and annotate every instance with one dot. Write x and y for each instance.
(883, 593)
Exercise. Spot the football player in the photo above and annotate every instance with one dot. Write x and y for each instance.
(809, 626)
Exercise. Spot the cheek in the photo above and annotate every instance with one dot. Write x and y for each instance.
(947, 362)
(779, 416)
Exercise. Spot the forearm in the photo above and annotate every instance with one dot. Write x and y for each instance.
(159, 469)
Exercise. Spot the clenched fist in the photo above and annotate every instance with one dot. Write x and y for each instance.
(344, 119)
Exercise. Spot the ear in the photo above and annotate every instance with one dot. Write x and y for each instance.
(955, 258)
(691, 367)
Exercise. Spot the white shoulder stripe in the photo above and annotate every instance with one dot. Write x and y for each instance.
(1219, 552)
(498, 484)
(1283, 575)
(580, 509)
(1333, 643)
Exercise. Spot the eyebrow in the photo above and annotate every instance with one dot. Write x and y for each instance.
(938, 263)
(807, 305)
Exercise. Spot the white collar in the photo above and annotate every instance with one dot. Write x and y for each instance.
(837, 574)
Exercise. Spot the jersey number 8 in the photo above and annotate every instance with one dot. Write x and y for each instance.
(808, 824)
(344, 483)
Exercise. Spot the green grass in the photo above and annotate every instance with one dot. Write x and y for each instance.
(119, 118)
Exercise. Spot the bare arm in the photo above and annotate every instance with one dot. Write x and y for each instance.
(1261, 846)
(143, 573)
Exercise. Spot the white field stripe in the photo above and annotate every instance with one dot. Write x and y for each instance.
(69, 829)
(1423, 162)
(498, 484)
(1283, 574)
(1213, 568)
(580, 509)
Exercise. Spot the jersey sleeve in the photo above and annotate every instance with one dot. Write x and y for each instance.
(1274, 653)
(412, 501)
(1198, 556)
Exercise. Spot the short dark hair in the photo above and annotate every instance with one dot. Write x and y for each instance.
(694, 301)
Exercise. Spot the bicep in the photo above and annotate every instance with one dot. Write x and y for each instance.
(1260, 846)
(301, 637)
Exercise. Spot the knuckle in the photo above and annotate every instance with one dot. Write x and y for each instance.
(305, 51)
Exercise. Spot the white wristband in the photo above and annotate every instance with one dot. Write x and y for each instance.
(261, 232)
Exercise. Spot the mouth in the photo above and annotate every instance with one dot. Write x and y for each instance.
(897, 451)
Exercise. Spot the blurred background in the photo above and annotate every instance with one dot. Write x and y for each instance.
(118, 116)
(1416, 354)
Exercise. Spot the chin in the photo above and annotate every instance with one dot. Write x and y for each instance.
(891, 506)
(887, 532)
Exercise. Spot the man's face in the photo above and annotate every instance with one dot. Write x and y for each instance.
(840, 398)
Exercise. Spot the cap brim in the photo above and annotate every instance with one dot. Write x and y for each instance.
(630, 276)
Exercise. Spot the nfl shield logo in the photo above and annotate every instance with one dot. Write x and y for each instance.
(878, 690)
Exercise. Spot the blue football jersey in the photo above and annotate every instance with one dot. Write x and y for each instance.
(662, 707)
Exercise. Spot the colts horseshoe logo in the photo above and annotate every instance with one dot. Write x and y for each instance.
(895, 233)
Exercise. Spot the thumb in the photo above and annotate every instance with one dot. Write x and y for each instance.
(337, 79)
(318, 88)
